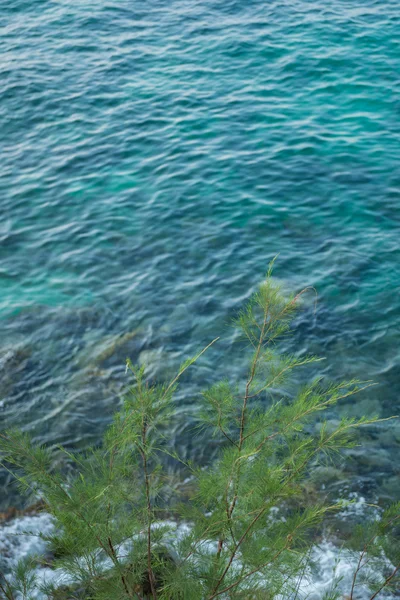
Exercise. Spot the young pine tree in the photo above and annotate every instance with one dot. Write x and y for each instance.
(111, 538)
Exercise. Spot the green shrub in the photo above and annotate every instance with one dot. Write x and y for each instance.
(121, 530)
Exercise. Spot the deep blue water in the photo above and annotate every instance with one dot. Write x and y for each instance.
(154, 157)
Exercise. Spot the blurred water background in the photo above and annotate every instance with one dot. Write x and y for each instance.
(154, 157)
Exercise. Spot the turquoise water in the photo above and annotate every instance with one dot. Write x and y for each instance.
(154, 157)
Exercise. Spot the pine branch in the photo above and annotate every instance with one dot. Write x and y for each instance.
(386, 582)
(289, 367)
(306, 413)
(264, 330)
(143, 452)
(251, 377)
(7, 591)
(360, 563)
(289, 540)
(77, 512)
(224, 433)
(263, 510)
(186, 365)
(123, 580)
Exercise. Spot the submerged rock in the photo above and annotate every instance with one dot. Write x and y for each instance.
(118, 346)
(391, 487)
(325, 475)
(13, 512)
(159, 363)
(13, 360)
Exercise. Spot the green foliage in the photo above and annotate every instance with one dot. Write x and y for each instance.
(112, 537)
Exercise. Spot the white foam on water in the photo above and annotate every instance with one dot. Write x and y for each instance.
(20, 538)
(333, 566)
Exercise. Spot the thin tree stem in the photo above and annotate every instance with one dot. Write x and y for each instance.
(187, 366)
(117, 561)
(236, 583)
(260, 513)
(250, 379)
(7, 592)
(236, 477)
(149, 512)
(386, 582)
(105, 547)
(363, 553)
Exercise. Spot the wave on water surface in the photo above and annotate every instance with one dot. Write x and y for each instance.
(154, 157)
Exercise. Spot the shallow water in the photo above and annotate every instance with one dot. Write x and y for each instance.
(154, 158)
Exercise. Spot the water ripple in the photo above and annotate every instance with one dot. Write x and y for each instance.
(155, 157)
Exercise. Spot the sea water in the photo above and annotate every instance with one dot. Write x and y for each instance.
(155, 156)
